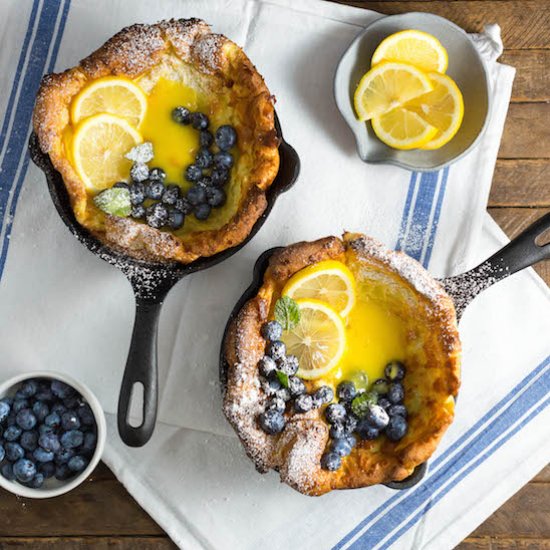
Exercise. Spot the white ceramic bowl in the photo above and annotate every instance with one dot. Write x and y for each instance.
(466, 67)
(53, 487)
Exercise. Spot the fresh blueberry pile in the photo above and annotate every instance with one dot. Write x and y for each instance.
(367, 414)
(280, 383)
(46, 430)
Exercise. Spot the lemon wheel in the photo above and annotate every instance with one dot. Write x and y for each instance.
(403, 129)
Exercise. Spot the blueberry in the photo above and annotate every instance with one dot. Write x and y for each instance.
(86, 415)
(381, 386)
(337, 431)
(72, 401)
(276, 349)
(204, 158)
(154, 190)
(43, 429)
(52, 420)
(61, 389)
(157, 174)
(346, 391)
(44, 392)
(181, 115)
(139, 171)
(37, 481)
(7, 471)
(323, 396)
(29, 388)
(272, 422)
(193, 173)
(176, 219)
(19, 405)
(196, 195)
(202, 211)
(90, 440)
(341, 447)
(62, 472)
(223, 159)
(183, 205)
(384, 403)
(267, 366)
(19, 395)
(10, 421)
(272, 330)
(14, 451)
(138, 212)
(398, 410)
(40, 455)
(276, 404)
(58, 408)
(284, 394)
(377, 417)
(70, 421)
(226, 137)
(271, 385)
(77, 463)
(29, 440)
(366, 431)
(157, 215)
(63, 456)
(2, 452)
(303, 403)
(296, 386)
(206, 139)
(40, 410)
(50, 442)
(395, 371)
(397, 428)
(350, 423)
(121, 185)
(47, 469)
(5, 409)
(25, 419)
(335, 413)
(137, 194)
(171, 194)
(331, 461)
(288, 365)
(72, 439)
(199, 121)
(24, 470)
(215, 197)
(396, 393)
(219, 176)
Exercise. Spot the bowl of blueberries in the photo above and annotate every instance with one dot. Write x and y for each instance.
(52, 434)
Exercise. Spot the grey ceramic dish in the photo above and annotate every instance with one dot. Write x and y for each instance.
(466, 67)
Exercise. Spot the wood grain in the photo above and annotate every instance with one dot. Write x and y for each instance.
(88, 543)
(494, 543)
(532, 80)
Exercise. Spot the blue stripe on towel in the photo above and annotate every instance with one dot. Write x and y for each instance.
(14, 166)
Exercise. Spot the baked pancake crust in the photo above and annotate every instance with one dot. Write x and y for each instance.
(235, 93)
(432, 381)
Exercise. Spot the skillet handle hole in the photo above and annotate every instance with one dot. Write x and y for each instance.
(544, 238)
(135, 414)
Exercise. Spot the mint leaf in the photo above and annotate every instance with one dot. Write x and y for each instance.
(287, 312)
(115, 201)
(362, 402)
(283, 378)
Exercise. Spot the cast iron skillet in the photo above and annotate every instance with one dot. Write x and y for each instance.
(151, 283)
(520, 253)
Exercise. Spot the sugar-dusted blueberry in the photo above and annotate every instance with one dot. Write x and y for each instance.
(5, 410)
(272, 330)
(204, 158)
(19, 405)
(202, 211)
(62, 472)
(272, 422)
(223, 159)
(181, 115)
(7, 471)
(70, 421)
(47, 469)
(331, 461)
(29, 440)
(199, 121)
(350, 423)
(335, 412)
(196, 195)
(303, 403)
(277, 404)
(284, 394)
(226, 137)
(396, 393)
(37, 481)
(41, 455)
(377, 417)
(61, 389)
(296, 386)
(40, 410)
(346, 391)
(138, 212)
(205, 182)
(157, 174)
(25, 419)
(24, 470)
(341, 446)
(395, 370)
(193, 173)
(381, 386)
(176, 219)
(220, 176)
(183, 205)
(323, 396)
(398, 410)
(154, 190)
(397, 428)
(206, 139)
(157, 215)
(52, 420)
(384, 403)
(63, 456)
(276, 349)
(139, 172)
(267, 366)
(121, 185)
(288, 365)
(49, 442)
(366, 431)
(337, 431)
(29, 388)
(171, 194)
(215, 197)
(271, 385)
(137, 194)
(77, 463)
(14, 451)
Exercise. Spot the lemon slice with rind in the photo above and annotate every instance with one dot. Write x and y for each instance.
(319, 339)
(99, 145)
(415, 47)
(113, 95)
(330, 281)
(403, 129)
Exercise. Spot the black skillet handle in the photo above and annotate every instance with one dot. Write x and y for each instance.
(141, 368)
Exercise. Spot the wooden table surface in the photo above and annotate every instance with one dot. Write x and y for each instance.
(101, 514)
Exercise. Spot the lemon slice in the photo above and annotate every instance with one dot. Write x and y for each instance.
(403, 129)
(387, 86)
(113, 95)
(319, 339)
(99, 145)
(329, 281)
(415, 47)
(443, 108)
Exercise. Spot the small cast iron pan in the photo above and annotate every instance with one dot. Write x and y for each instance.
(151, 283)
(522, 252)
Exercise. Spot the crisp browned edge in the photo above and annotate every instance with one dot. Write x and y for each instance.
(131, 52)
(244, 346)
